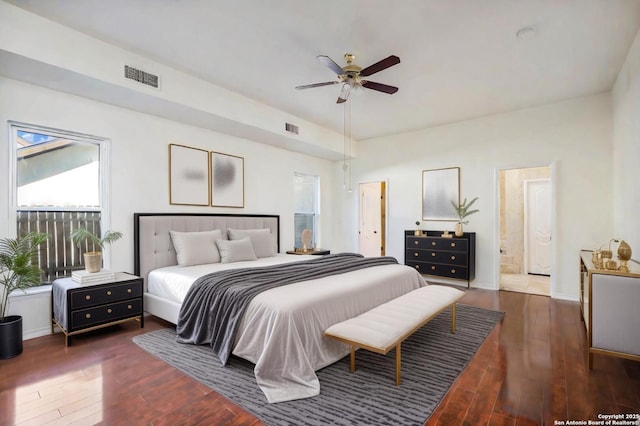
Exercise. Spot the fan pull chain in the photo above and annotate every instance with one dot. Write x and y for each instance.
(346, 162)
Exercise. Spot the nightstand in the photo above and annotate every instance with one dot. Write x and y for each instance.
(79, 308)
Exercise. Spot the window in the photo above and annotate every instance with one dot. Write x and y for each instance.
(306, 194)
(58, 186)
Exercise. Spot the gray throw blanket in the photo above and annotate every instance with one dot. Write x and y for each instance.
(215, 303)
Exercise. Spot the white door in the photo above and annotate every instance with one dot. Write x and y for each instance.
(538, 226)
(371, 225)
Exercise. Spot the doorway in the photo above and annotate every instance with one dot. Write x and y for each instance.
(372, 219)
(526, 206)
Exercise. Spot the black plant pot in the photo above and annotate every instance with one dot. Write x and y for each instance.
(10, 336)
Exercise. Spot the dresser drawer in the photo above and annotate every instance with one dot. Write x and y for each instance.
(447, 271)
(84, 318)
(94, 296)
(435, 243)
(433, 256)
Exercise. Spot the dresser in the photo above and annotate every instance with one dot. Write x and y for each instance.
(609, 302)
(447, 257)
(80, 308)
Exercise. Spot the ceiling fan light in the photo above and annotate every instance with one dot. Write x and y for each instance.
(344, 93)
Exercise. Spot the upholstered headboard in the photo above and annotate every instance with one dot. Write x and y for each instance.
(152, 243)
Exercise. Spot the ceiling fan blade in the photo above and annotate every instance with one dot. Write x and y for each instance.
(309, 86)
(330, 63)
(380, 87)
(380, 65)
(344, 94)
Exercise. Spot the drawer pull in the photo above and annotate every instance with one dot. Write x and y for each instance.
(417, 266)
(433, 268)
(453, 244)
(433, 255)
(128, 290)
(88, 297)
(109, 311)
(129, 307)
(433, 243)
(415, 242)
(453, 271)
(453, 258)
(87, 316)
(108, 292)
(415, 254)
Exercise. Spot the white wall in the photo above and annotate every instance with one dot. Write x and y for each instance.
(626, 150)
(573, 136)
(139, 162)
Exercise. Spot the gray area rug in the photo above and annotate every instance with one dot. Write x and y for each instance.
(432, 359)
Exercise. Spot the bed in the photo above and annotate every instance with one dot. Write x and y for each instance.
(281, 329)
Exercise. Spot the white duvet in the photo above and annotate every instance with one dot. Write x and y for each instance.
(282, 329)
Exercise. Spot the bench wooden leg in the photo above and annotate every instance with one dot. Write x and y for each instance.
(453, 318)
(398, 355)
(352, 359)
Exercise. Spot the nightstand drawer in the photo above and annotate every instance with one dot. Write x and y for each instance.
(93, 296)
(106, 313)
(447, 271)
(433, 256)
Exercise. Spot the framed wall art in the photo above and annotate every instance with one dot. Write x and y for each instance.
(188, 176)
(439, 188)
(227, 180)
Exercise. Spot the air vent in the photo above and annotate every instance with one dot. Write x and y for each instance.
(291, 128)
(140, 76)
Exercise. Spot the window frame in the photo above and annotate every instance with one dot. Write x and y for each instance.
(104, 187)
(315, 213)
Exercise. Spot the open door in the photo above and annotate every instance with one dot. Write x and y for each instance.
(372, 219)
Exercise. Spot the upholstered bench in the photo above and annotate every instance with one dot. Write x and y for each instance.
(386, 326)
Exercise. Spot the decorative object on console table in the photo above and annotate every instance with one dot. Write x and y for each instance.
(608, 300)
(462, 210)
(418, 231)
(316, 251)
(81, 308)
(93, 257)
(433, 254)
(16, 273)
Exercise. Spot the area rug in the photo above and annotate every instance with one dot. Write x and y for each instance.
(432, 359)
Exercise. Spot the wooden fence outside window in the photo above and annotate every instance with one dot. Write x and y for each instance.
(59, 256)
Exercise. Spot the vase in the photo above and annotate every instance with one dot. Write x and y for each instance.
(459, 232)
(10, 336)
(93, 261)
(417, 232)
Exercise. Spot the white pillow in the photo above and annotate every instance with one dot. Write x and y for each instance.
(196, 248)
(264, 245)
(236, 250)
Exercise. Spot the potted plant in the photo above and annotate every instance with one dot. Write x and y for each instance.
(93, 259)
(16, 272)
(462, 210)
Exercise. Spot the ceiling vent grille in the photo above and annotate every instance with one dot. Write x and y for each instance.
(140, 76)
(291, 128)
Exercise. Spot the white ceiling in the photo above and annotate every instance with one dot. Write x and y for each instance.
(459, 58)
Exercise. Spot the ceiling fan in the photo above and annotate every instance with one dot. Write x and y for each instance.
(351, 76)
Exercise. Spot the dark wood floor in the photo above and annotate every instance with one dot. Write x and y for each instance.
(530, 370)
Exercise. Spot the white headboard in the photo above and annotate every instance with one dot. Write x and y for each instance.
(152, 243)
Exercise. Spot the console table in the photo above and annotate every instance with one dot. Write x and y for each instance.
(447, 257)
(609, 303)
